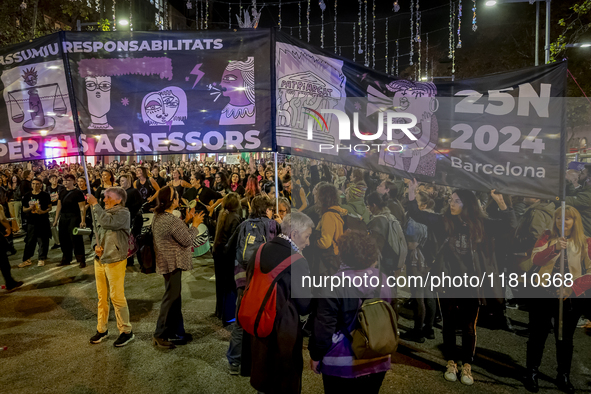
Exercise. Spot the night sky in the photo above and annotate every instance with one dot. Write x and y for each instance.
(435, 21)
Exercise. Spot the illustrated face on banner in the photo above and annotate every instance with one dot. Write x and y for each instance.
(98, 92)
(35, 103)
(168, 107)
(417, 98)
(238, 84)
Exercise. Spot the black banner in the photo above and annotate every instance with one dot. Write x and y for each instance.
(502, 131)
(137, 93)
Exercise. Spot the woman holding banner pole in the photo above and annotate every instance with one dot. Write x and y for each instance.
(467, 248)
(558, 256)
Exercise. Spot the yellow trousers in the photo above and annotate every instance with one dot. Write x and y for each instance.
(115, 275)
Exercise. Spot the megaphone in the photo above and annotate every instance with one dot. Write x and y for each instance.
(81, 231)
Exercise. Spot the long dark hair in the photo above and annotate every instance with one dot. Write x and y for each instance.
(230, 203)
(164, 199)
(471, 214)
(223, 183)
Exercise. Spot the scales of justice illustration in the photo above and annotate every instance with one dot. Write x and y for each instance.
(40, 122)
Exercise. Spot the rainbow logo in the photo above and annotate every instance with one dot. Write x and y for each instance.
(316, 119)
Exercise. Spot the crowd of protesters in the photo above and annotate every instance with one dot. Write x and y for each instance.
(338, 220)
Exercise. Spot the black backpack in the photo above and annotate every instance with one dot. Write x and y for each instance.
(146, 255)
(352, 222)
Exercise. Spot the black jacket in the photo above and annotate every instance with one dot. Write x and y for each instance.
(277, 360)
(480, 258)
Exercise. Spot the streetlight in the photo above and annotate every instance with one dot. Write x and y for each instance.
(578, 45)
(123, 22)
(491, 3)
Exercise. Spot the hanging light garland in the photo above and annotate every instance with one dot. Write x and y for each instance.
(300, 19)
(449, 55)
(196, 15)
(397, 56)
(427, 57)
(386, 57)
(308, 17)
(279, 22)
(206, 13)
(459, 24)
(360, 51)
(373, 34)
(335, 29)
(354, 47)
(418, 24)
(453, 52)
(418, 37)
(412, 28)
(202, 13)
(230, 16)
(474, 26)
(322, 5)
(365, 33)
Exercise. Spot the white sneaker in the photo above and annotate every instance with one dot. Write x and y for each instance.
(451, 374)
(41, 263)
(466, 377)
(25, 264)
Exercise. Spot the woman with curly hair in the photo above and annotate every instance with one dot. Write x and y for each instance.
(330, 349)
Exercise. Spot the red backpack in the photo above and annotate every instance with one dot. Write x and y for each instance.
(258, 307)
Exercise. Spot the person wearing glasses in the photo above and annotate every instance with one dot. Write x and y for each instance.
(467, 244)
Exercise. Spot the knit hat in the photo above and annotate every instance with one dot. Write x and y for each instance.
(355, 192)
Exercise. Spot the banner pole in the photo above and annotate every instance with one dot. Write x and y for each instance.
(562, 181)
(76, 120)
(561, 300)
(276, 186)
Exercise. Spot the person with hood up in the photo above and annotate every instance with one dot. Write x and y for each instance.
(355, 201)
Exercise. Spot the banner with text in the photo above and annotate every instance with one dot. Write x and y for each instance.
(35, 107)
(502, 131)
(137, 93)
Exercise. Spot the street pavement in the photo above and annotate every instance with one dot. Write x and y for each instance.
(47, 323)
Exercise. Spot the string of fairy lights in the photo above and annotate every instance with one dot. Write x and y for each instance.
(363, 47)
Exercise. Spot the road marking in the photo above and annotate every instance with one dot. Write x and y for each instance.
(49, 275)
(40, 273)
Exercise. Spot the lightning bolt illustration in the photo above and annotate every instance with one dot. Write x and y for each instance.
(197, 72)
